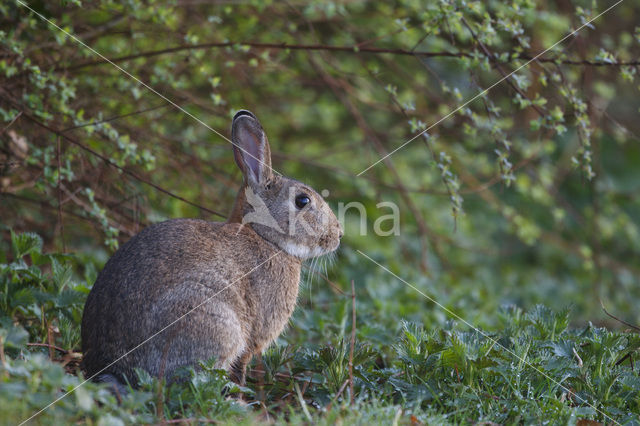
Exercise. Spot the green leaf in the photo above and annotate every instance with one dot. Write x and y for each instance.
(25, 243)
(13, 336)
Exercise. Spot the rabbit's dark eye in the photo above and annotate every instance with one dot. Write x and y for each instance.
(302, 200)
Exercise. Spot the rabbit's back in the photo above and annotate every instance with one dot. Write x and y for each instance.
(155, 279)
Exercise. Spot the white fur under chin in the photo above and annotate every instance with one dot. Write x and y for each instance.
(302, 251)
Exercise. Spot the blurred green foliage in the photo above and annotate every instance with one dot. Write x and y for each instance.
(528, 194)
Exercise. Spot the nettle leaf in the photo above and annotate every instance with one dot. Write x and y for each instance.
(455, 355)
(25, 243)
(630, 382)
(548, 323)
(62, 274)
(372, 379)
(32, 276)
(23, 297)
(633, 342)
(562, 367)
(362, 353)
(43, 297)
(274, 358)
(306, 359)
(412, 346)
(411, 392)
(69, 298)
(13, 336)
(562, 348)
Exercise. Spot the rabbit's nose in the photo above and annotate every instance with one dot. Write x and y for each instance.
(340, 231)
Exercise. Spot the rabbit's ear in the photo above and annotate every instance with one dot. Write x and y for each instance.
(251, 148)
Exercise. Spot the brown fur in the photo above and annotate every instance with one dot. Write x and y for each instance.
(250, 273)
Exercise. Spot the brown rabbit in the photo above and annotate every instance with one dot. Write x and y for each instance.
(245, 270)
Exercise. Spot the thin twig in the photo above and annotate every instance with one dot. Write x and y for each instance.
(635, 327)
(47, 345)
(113, 164)
(324, 277)
(97, 30)
(11, 122)
(505, 76)
(60, 221)
(351, 49)
(335, 398)
(353, 339)
(45, 205)
(306, 385)
(117, 117)
(303, 404)
(340, 90)
(629, 356)
(397, 417)
(50, 339)
(3, 359)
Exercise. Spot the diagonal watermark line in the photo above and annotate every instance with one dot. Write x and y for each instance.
(482, 93)
(137, 80)
(150, 338)
(495, 342)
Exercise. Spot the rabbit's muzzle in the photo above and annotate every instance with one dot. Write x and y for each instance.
(330, 241)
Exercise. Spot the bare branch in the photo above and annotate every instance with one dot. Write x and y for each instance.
(111, 162)
(635, 327)
(350, 49)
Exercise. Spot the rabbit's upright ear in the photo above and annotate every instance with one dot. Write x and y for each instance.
(251, 148)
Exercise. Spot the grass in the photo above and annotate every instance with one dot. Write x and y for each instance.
(527, 367)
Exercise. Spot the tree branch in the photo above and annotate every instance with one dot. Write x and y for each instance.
(351, 49)
(635, 327)
(109, 161)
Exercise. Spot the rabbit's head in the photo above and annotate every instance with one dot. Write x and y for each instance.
(283, 211)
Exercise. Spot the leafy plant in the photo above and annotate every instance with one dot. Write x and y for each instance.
(38, 292)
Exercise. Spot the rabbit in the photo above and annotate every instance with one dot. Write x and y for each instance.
(241, 276)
